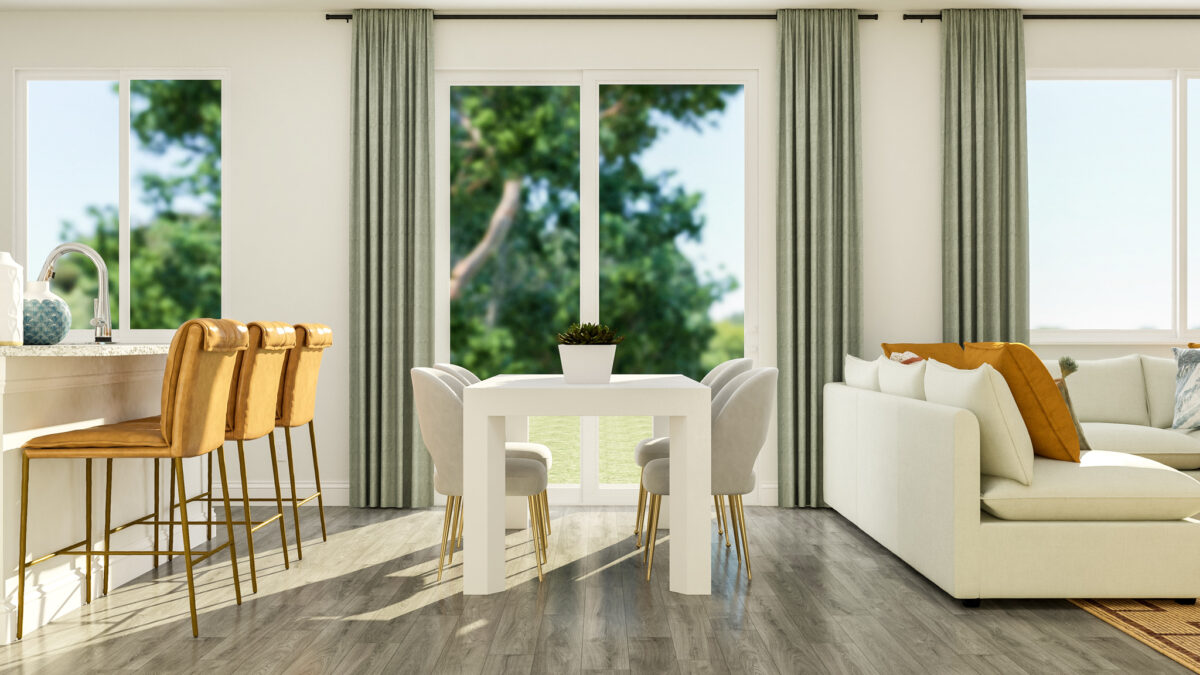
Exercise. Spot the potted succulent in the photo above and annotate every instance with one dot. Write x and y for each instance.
(587, 352)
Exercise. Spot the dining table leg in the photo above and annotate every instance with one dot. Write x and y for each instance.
(483, 508)
(691, 491)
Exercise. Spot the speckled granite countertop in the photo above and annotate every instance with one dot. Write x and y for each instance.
(90, 349)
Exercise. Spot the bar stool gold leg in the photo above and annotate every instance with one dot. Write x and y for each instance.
(87, 530)
(237, 583)
(21, 562)
(655, 504)
(312, 439)
(171, 512)
(295, 498)
(445, 534)
(107, 519)
(208, 513)
(279, 504)
(187, 543)
(246, 517)
(157, 504)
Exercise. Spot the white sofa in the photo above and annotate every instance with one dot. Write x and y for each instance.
(907, 473)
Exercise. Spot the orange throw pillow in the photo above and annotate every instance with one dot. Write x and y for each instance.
(949, 353)
(1042, 405)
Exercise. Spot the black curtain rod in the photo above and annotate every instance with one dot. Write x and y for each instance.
(1071, 17)
(348, 17)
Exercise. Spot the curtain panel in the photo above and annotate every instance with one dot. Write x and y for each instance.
(985, 209)
(391, 253)
(819, 231)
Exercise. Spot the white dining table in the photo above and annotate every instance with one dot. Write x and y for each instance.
(684, 401)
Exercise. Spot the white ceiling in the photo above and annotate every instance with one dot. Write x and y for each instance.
(564, 6)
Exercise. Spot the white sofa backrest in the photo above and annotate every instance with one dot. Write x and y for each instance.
(1160, 389)
(1114, 390)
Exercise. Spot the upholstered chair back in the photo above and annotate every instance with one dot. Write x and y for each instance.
(739, 430)
(440, 415)
(451, 380)
(200, 364)
(468, 378)
(298, 392)
(720, 376)
(254, 391)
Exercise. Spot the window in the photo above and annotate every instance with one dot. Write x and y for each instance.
(607, 197)
(1107, 224)
(130, 165)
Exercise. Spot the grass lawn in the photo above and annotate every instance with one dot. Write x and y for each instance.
(618, 437)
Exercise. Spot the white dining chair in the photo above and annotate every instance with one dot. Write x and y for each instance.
(650, 449)
(513, 449)
(440, 414)
(741, 417)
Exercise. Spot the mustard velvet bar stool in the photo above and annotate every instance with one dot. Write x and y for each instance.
(250, 415)
(200, 366)
(297, 407)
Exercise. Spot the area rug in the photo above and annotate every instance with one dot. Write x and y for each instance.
(1164, 625)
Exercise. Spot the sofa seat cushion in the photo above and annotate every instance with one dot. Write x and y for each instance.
(1102, 486)
(1172, 447)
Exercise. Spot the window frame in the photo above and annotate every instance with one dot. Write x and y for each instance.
(590, 491)
(123, 76)
(1178, 333)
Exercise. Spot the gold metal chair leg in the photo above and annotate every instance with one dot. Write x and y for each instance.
(246, 517)
(157, 504)
(295, 498)
(107, 520)
(87, 530)
(546, 512)
(312, 439)
(445, 534)
(171, 512)
(24, 528)
(458, 538)
(641, 509)
(540, 530)
(454, 527)
(655, 505)
(187, 543)
(237, 582)
(279, 505)
(208, 513)
(535, 524)
(737, 530)
(745, 540)
(720, 521)
(724, 517)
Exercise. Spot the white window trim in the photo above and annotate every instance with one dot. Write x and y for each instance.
(20, 165)
(590, 491)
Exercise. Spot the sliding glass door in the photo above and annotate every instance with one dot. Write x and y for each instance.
(616, 197)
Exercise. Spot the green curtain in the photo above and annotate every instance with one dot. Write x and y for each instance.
(985, 209)
(819, 225)
(391, 253)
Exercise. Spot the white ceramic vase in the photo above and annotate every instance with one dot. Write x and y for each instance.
(12, 293)
(47, 316)
(587, 364)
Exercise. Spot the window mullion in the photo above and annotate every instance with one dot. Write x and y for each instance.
(1181, 195)
(123, 255)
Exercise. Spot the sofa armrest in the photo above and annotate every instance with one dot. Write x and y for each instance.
(906, 472)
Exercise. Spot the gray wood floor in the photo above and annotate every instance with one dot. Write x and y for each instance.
(825, 598)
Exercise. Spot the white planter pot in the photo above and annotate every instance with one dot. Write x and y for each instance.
(587, 364)
(12, 301)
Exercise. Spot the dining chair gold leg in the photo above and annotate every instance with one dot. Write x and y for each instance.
(745, 540)
(546, 512)
(171, 512)
(237, 582)
(458, 537)
(720, 523)
(295, 499)
(445, 534)
(535, 525)
(208, 513)
(107, 520)
(21, 560)
(246, 517)
(312, 439)
(641, 509)
(733, 523)
(540, 530)
(279, 505)
(87, 530)
(157, 505)
(187, 543)
(655, 504)
(454, 528)
(725, 517)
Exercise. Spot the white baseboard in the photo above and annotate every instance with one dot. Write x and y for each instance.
(335, 493)
(767, 495)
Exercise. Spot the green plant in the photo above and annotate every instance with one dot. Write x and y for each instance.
(589, 334)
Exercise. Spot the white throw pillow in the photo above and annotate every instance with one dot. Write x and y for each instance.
(1005, 449)
(862, 374)
(902, 380)
(1110, 390)
(1101, 486)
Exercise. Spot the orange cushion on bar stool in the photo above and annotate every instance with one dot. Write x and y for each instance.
(298, 392)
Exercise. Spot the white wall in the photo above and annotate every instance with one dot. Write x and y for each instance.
(286, 162)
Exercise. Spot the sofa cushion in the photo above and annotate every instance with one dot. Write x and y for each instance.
(1101, 486)
(1042, 405)
(949, 353)
(1159, 374)
(1109, 390)
(861, 374)
(907, 380)
(1172, 447)
(1004, 446)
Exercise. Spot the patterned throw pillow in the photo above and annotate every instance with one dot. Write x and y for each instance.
(1187, 389)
